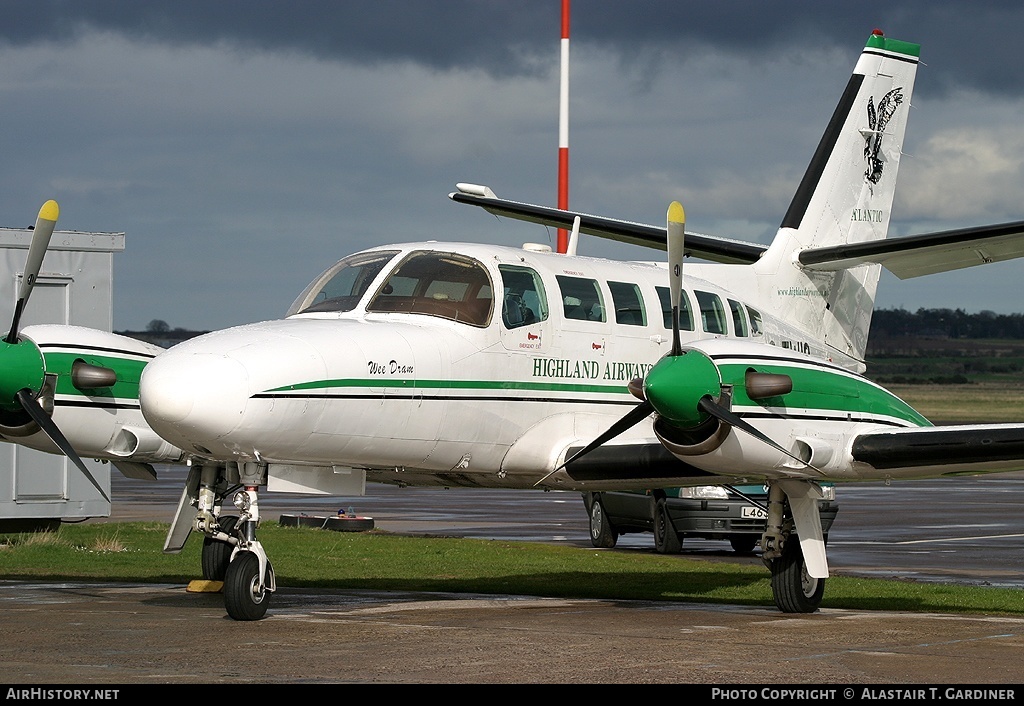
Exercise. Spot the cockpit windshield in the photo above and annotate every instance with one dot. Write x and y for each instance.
(443, 284)
(342, 286)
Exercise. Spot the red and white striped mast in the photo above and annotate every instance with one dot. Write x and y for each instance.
(563, 129)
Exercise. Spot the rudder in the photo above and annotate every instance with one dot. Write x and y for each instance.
(845, 196)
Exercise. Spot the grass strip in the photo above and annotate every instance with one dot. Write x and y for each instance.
(377, 560)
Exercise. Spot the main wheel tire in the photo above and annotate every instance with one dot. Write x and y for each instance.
(602, 533)
(743, 543)
(794, 590)
(243, 598)
(217, 554)
(666, 539)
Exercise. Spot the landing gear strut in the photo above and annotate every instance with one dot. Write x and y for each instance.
(249, 579)
(231, 552)
(794, 589)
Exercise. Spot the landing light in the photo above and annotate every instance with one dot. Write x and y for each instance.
(242, 501)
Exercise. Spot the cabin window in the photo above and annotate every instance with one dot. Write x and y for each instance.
(685, 312)
(739, 318)
(712, 313)
(442, 284)
(756, 327)
(629, 305)
(341, 286)
(523, 301)
(581, 298)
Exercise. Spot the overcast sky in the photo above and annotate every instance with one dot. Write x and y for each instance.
(244, 146)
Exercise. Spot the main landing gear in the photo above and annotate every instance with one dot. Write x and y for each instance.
(794, 589)
(231, 553)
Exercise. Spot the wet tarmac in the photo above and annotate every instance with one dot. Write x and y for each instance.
(964, 530)
(95, 633)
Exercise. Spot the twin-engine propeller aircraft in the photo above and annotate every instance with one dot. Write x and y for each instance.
(74, 390)
(470, 365)
(459, 364)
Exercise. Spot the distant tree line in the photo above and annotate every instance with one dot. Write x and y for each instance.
(945, 323)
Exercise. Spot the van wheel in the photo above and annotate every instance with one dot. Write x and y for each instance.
(666, 539)
(602, 534)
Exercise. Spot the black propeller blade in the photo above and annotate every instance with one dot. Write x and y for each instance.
(31, 406)
(728, 417)
(632, 418)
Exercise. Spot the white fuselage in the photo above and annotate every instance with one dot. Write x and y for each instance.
(418, 396)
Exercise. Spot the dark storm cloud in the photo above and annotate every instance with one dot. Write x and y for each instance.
(498, 36)
(515, 38)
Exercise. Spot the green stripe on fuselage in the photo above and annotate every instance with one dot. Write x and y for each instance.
(812, 389)
(403, 383)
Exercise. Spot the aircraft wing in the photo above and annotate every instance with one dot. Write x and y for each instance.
(943, 450)
(706, 247)
(925, 254)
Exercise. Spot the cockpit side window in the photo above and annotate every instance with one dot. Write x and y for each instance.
(523, 301)
(442, 284)
(342, 286)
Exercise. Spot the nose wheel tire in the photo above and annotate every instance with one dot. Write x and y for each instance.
(243, 597)
(795, 591)
(216, 554)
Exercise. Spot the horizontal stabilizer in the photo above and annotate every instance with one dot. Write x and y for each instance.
(925, 254)
(975, 447)
(706, 247)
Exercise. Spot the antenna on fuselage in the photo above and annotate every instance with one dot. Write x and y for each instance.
(574, 237)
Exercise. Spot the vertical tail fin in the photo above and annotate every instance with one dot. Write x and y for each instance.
(845, 196)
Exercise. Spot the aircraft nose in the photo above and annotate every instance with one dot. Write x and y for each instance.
(194, 399)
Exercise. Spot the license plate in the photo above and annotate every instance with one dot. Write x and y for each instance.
(749, 512)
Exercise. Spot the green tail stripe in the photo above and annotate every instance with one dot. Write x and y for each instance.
(877, 41)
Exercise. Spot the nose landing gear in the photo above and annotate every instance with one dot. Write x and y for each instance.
(231, 552)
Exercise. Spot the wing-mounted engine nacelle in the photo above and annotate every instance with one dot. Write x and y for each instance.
(142, 444)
